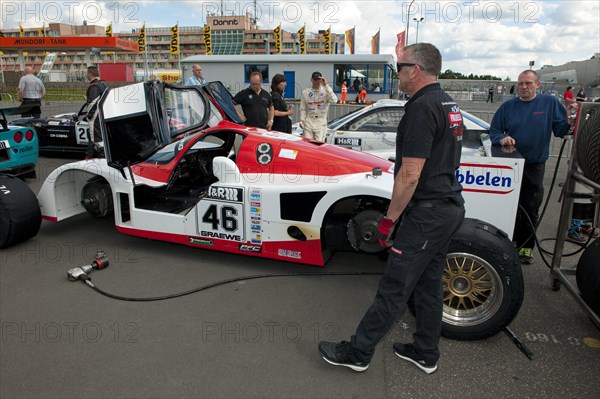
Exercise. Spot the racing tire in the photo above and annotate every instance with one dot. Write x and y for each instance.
(588, 147)
(588, 276)
(20, 214)
(482, 283)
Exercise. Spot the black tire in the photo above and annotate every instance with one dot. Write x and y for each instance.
(588, 276)
(20, 215)
(588, 146)
(483, 283)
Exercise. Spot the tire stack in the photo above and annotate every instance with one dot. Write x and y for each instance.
(588, 158)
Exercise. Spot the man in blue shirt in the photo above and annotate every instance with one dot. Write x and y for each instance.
(527, 122)
(196, 79)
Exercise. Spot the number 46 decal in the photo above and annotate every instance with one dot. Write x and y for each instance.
(227, 220)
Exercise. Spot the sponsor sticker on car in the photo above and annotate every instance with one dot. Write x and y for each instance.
(4, 144)
(348, 141)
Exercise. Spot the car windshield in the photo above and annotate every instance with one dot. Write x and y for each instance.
(185, 108)
(343, 119)
(167, 153)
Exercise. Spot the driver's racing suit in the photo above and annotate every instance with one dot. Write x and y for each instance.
(314, 105)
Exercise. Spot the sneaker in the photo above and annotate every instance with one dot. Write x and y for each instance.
(526, 255)
(407, 352)
(577, 237)
(340, 354)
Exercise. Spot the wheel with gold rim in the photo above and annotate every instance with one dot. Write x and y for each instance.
(482, 282)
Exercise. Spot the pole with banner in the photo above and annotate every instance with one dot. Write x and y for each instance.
(302, 39)
(174, 47)
(277, 32)
(350, 39)
(143, 48)
(327, 40)
(207, 40)
(375, 42)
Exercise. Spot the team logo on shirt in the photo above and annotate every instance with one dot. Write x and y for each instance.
(455, 120)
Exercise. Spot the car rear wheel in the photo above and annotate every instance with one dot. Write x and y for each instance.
(20, 215)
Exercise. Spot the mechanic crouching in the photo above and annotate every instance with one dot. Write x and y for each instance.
(428, 205)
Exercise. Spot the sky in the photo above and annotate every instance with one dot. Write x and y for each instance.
(499, 38)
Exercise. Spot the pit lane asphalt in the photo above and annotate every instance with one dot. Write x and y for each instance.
(253, 338)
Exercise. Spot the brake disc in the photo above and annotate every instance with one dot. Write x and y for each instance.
(362, 231)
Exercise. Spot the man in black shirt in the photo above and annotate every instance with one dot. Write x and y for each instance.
(93, 93)
(427, 200)
(256, 103)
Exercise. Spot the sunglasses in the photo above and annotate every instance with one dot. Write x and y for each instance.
(408, 64)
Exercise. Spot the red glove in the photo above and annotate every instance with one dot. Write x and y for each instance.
(386, 227)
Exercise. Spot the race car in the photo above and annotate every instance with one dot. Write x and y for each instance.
(179, 169)
(18, 145)
(64, 134)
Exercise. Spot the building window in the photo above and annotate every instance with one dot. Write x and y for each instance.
(262, 68)
(374, 77)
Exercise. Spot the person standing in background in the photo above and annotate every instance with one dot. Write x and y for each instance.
(282, 111)
(314, 107)
(527, 122)
(344, 92)
(31, 91)
(196, 79)
(256, 103)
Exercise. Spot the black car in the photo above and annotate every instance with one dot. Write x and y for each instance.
(64, 134)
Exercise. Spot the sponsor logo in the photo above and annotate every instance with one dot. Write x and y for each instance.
(26, 149)
(225, 193)
(200, 241)
(491, 179)
(352, 142)
(288, 253)
(255, 209)
(222, 236)
(250, 248)
(455, 118)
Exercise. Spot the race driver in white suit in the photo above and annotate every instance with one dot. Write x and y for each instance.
(314, 105)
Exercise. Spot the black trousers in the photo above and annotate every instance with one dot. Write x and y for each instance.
(415, 264)
(530, 199)
(36, 111)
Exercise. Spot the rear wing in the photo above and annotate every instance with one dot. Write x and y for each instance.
(21, 109)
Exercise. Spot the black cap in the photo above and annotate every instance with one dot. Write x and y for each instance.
(316, 75)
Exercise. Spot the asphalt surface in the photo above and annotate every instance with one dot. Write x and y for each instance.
(255, 338)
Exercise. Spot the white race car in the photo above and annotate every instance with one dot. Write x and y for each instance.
(176, 170)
